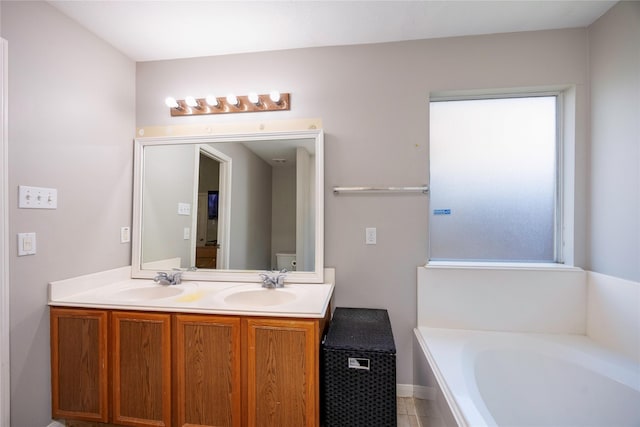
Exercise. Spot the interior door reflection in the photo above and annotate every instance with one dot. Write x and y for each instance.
(208, 204)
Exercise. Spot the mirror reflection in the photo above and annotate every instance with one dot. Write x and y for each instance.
(228, 204)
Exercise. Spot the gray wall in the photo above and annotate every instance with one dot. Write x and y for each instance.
(71, 127)
(283, 211)
(615, 142)
(166, 185)
(250, 246)
(373, 101)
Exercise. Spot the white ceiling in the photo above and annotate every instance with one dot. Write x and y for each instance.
(154, 30)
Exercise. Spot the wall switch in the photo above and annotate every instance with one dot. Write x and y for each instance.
(184, 209)
(187, 233)
(125, 234)
(37, 197)
(370, 235)
(26, 244)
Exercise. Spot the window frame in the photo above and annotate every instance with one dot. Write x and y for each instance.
(559, 236)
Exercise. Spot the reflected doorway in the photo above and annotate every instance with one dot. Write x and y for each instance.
(213, 183)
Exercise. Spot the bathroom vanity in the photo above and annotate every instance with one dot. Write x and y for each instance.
(125, 353)
(216, 349)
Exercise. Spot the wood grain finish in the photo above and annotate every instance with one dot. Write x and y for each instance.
(206, 256)
(141, 349)
(79, 370)
(207, 371)
(184, 370)
(281, 363)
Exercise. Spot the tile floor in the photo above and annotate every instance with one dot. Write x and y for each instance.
(414, 412)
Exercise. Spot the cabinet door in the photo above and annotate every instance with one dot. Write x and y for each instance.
(141, 351)
(282, 379)
(79, 371)
(207, 370)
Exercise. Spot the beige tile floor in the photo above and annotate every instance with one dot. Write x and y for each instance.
(414, 412)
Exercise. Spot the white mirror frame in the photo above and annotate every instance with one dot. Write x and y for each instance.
(316, 276)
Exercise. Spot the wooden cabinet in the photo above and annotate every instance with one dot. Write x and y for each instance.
(141, 351)
(185, 370)
(282, 372)
(206, 256)
(79, 364)
(207, 370)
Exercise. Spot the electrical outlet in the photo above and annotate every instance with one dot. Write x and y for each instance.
(370, 235)
(125, 234)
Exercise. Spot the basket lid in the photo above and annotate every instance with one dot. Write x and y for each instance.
(360, 329)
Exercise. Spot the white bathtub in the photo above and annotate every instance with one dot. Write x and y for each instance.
(522, 379)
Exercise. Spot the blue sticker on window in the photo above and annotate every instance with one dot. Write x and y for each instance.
(442, 211)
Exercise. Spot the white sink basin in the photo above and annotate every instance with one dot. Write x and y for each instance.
(147, 294)
(261, 297)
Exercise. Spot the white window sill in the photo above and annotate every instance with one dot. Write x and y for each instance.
(500, 265)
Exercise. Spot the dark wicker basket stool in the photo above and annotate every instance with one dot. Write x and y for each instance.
(359, 370)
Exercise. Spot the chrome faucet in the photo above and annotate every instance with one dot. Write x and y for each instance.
(273, 280)
(166, 279)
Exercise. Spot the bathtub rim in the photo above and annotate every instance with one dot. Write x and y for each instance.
(456, 411)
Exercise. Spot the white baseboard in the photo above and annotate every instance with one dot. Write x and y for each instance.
(404, 390)
(419, 391)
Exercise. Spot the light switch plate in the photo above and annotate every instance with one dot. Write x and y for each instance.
(37, 197)
(26, 244)
(370, 235)
(184, 209)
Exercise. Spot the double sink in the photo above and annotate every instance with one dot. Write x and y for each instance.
(244, 295)
(241, 298)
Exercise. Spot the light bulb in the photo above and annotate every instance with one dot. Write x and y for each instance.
(171, 102)
(274, 95)
(191, 101)
(232, 100)
(212, 101)
(254, 98)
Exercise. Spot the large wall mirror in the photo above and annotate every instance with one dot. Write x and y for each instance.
(226, 207)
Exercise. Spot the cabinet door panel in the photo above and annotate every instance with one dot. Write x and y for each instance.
(79, 364)
(207, 371)
(141, 369)
(282, 382)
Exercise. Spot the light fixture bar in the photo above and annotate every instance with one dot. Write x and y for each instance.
(244, 105)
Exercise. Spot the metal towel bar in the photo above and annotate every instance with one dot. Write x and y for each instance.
(421, 189)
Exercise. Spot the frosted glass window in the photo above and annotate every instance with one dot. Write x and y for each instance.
(493, 179)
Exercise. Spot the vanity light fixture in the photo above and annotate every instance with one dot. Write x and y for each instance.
(192, 102)
(233, 100)
(252, 103)
(212, 101)
(274, 96)
(172, 103)
(254, 98)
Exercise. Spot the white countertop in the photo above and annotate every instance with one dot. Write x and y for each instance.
(114, 289)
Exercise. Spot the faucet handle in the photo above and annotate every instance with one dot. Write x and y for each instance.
(162, 278)
(267, 280)
(176, 278)
(280, 278)
(161, 275)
